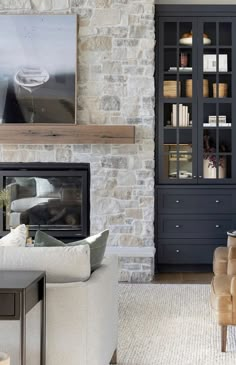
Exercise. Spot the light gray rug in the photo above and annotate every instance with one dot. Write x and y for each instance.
(163, 324)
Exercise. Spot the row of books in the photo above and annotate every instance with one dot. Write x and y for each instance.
(184, 116)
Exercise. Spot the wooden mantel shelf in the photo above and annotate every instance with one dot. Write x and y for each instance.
(66, 134)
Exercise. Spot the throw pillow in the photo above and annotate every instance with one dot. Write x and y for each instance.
(43, 239)
(17, 236)
(97, 244)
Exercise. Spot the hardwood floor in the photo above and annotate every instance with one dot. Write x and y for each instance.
(183, 278)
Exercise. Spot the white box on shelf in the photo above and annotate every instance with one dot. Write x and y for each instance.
(221, 119)
(209, 63)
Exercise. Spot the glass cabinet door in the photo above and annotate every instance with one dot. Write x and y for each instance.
(177, 133)
(215, 95)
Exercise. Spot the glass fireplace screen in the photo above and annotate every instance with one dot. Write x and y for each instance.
(44, 202)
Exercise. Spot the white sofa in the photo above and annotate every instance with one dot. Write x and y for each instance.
(81, 320)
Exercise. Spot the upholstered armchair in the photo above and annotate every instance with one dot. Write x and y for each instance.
(223, 287)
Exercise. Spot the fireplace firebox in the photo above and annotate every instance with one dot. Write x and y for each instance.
(53, 197)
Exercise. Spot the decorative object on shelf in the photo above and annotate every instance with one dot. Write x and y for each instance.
(210, 171)
(184, 119)
(221, 119)
(212, 165)
(170, 88)
(210, 63)
(41, 76)
(187, 39)
(189, 88)
(184, 157)
(4, 358)
(182, 174)
(181, 69)
(183, 62)
(222, 90)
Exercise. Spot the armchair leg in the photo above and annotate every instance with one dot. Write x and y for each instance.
(223, 338)
(114, 358)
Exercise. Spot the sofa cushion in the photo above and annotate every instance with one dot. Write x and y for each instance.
(62, 264)
(97, 244)
(221, 299)
(17, 236)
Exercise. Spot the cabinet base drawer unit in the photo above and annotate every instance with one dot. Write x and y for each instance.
(191, 223)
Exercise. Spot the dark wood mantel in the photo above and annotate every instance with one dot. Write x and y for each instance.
(66, 134)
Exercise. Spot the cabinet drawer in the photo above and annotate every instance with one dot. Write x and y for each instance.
(185, 254)
(195, 226)
(7, 304)
(196, 201)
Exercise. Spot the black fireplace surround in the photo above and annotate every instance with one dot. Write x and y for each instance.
(53, 197)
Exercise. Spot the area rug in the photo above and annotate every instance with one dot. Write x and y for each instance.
(163, 324)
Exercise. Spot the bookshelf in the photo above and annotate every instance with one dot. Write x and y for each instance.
(195, 191)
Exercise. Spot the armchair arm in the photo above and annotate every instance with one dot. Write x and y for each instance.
(233, 286)
(231, 267)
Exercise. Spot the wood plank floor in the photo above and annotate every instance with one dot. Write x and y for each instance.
(183, 278)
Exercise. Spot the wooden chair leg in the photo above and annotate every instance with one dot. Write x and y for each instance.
(223, 338)
(114, 358)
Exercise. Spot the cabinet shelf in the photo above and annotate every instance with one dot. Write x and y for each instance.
(217, 100)
(217, 72)
(177, 100)
(178, 72)
(218, 46)
(183, 128)
(178, 46)
(220, 127)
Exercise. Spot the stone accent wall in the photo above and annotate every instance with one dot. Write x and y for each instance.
(115, 86)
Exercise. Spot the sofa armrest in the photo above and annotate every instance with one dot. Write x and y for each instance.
(233, 286)
(86, 314)
(220, 260)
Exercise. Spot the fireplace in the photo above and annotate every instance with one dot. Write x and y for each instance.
(53, 197)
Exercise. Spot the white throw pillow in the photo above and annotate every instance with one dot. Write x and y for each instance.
(17, 236)
(62, 264)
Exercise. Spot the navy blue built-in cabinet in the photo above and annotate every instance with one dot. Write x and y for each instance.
(195, 197)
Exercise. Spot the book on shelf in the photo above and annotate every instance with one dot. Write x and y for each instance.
(183, 114)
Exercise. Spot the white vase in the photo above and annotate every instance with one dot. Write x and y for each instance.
(4, 359)
(209, 171)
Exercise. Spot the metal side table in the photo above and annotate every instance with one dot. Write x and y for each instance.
(20, 291)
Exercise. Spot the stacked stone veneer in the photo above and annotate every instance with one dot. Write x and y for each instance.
(115, 86)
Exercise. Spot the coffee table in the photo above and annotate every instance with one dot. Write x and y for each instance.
(20, 291)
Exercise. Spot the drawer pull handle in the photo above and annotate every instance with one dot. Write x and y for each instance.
(177, 251)
(217, 226)
(177, 226)
(200, 177)
(217, 201)
(177, 201)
